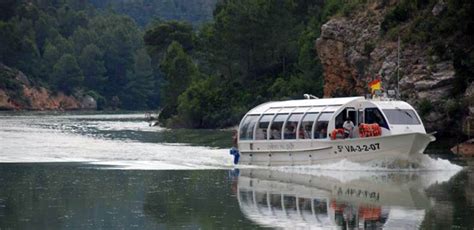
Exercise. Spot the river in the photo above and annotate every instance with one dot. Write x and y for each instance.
(113, 171)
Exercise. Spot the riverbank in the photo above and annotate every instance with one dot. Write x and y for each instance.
(18, 92)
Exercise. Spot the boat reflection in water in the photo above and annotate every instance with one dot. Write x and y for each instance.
(369, 200)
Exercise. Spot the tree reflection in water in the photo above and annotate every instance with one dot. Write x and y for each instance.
(77, 196)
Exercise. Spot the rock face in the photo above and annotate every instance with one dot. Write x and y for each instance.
(353, 51)
(20, 94)
(465, 149)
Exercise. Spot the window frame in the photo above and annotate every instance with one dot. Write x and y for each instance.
(282, 125)
(312, 124)
(253, 128)
(412, 114)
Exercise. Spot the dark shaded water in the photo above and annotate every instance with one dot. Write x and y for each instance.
(77, 196)
(74, 196)
(102, 171)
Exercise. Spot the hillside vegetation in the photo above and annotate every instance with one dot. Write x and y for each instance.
(88, 48)
(209, 70)
(252, 52)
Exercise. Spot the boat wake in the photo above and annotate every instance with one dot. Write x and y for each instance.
(425, 163)
(80, 139)
(432, 170)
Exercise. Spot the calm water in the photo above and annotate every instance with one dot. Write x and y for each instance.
(112, 171)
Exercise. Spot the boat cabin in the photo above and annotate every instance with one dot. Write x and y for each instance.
(311, 119)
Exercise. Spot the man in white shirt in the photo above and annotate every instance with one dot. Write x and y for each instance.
(348, 127)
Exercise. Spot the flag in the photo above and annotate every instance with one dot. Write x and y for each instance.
(375, 85)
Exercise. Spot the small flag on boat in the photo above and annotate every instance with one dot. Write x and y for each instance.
(375, 85)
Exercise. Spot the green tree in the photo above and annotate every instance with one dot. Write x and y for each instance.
(118, 37)
(92, 66)
(140, 84)
(9, 43)
(159, 37)
(50, 57)
(81, 38)
(67, 73)
(179, 70)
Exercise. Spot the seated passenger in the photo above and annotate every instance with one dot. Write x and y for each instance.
(290, 132)
(323, 133)
(307, 132)
(261, 134)
(275, 134)
(348, 127)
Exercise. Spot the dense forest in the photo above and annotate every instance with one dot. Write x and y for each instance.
(253, 51)
(261, 50)
(72, 46)
(69, 45)
(208, 69)
(201, 74)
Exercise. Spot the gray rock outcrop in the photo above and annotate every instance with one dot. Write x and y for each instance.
(353, 51)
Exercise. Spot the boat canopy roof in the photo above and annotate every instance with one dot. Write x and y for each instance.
(332, 104)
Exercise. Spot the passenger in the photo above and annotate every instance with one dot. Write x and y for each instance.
(234, 138)
(261, 134)
(348, 127)
(301, 133)
(323, 133)
(290, 132)
(307, 132)
(276, 134)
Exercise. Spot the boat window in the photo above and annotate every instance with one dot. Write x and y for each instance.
(307, 125)
(291, 126)
(275, 201)
(401, 116)
(277, 124)
(320, 206)
(290, 204)
(261, 199)
(246, 130)
(261, 132)
(305, 205)
(246, 197)
(343, 115)
(321, 129)
(373, 115)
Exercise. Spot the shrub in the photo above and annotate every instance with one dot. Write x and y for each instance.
(368, 48)
(396, 16)
(425, 107)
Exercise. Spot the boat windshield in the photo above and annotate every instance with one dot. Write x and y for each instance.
(374, 115)
(246, 130)
(401, 116)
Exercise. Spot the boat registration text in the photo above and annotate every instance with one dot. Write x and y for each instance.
(359, 148)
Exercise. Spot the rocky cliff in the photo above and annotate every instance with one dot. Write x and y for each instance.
(353, 49)
(18, 93)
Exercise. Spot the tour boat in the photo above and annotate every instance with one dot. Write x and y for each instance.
(310, 131)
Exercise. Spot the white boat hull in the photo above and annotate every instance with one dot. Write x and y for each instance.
(409, 146)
